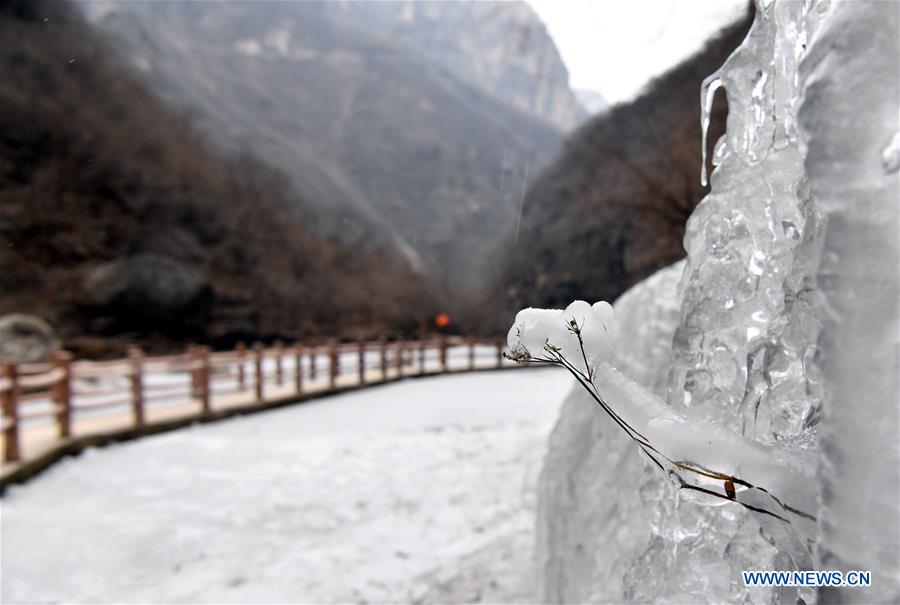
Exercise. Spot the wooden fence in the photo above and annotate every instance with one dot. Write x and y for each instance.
(47, 404)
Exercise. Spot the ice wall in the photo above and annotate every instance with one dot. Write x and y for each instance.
(740, 342)
(750, 319)
(849, 118)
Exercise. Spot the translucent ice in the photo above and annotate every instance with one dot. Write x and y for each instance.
(743, 350)
(849, 119)
(784, 324)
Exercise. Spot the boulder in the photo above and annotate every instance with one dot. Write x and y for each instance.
(26, 338)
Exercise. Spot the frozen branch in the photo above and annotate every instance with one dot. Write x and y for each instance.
(711, 464)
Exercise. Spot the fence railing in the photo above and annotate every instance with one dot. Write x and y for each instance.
(54, 399)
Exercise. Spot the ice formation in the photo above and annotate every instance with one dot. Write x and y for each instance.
(780, 337)
(709, 463)
(850, 122)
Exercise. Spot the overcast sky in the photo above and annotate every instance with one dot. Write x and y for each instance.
(615, 46)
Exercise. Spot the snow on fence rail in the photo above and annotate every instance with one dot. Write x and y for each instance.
(139, 390)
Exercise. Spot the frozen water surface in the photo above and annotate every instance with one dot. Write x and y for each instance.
(421, 491)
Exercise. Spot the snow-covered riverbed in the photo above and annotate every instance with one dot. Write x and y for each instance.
(419, 491)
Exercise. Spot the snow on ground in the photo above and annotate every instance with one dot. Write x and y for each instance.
(422, 491)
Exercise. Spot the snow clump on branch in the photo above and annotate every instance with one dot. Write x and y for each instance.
(579, 332)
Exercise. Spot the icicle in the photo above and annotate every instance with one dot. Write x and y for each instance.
(707, 95)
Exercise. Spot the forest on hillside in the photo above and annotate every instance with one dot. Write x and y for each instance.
(120, 224)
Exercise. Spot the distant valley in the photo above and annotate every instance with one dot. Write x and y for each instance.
(407, 123)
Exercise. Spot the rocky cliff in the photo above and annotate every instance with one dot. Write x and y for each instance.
(502, 48)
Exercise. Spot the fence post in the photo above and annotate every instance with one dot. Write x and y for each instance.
(189, 354)
(205, 378)
(383, 354)
(361, 346)
(443, 350)
(500, 353)
(241, 352)
(193, 355)
(258, 370)
(400, 353)
(334, 364)
(136, 378)
(471, 353)
(62, 392)
(422, 356)
(9, 397)
(298, 368)
(279, 367)
(313, 351)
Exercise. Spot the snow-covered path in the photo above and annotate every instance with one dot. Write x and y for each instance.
(413, 492)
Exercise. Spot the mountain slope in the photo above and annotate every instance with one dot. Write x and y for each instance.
(118, 224)
(362, 123)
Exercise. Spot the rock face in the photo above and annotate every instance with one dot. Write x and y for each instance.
(500, 47)
(748, 344)
(381, 138)
(26, 338)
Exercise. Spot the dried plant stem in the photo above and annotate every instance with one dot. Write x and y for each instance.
(553, 356)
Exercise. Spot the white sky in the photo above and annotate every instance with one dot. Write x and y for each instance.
(616, 46)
